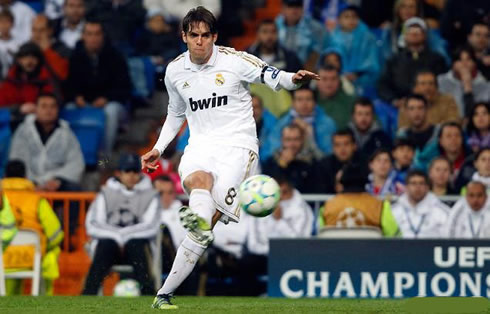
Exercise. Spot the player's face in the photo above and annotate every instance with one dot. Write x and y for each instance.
(381, 165)
(286, 191)
(403, 155)
(304, 102)
(167, 192)
(476, 196)
(200, 42)
(46, 110)
(482, 164)
(416, 112)
(129, 178)
(267, 35)
(343, 147)
(417, 188)
(363, 117)
(439, 173)
(425, 85)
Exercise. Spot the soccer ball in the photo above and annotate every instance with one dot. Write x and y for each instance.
(127, 288)
(259, 195)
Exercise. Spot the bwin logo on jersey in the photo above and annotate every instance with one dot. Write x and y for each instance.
(206, 102)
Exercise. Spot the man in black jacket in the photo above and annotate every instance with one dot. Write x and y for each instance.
(400, 70)
(99, 77)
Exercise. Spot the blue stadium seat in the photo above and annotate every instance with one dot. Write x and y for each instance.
(4, 138)
(88, 125)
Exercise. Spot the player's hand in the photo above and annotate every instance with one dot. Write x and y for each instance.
(303, 76)
(149, 160)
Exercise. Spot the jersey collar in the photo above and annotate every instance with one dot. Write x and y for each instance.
(188, 65)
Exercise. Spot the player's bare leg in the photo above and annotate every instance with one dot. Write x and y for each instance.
(199, 219)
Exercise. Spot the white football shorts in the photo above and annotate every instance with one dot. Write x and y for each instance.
(229, 166)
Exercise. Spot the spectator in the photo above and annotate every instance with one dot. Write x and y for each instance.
(392, 37)
(122, 219)
(403, 153)
(419, 130)
(470, 216)
(369, 135)
(477, 168)
(478, 128)
(464, 82)
(301, 33)
(98, 77)
(120, 20)
(344, 152)
(264, 120)
(479, 41)
(353, 201)
(23, 15)
(449, 143)
(332, 98)
(458, 17)
(292, 218)
(325, 11)
(158, 39)
(48, 148)
(26, 79)
(399, 74)
(293, 160)
(177, 9)
(268, 48)
(440, 175)
(332, 56)
(440, 107)
(33, 212)
(358, 48)
(7, 221)
(69, 27)
(170, 206)
(54, 51)
(8, 44)
(383, 181)
(317, 126)
(418, 212)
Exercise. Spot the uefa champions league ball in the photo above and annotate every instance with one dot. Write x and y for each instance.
(127, 288)
(259, 195)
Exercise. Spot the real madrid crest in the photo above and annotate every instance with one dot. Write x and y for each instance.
(219, 80)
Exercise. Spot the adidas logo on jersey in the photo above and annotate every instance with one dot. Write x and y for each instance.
(206, 102)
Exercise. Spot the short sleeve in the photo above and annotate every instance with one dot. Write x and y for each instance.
(176, 105)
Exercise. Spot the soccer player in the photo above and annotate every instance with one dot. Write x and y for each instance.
(208, 86)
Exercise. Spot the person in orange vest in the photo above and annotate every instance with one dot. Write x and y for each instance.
(33, 212)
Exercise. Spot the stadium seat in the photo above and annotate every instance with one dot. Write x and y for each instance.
(31, 238)
(5, 134)
(365, 232)
(88, 125)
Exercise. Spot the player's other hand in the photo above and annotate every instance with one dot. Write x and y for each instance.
(303, 76)
(149, 160)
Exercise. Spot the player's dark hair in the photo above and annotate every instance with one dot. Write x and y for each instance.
(8, 15)
(354, 178)
(479, 23)
(15, 169)
(417, 173)
(363, 102)
(96, 22)
(282, 178)
(198, 15)
(163, 178)
(416, 97)
(451, 124)
(344, 132)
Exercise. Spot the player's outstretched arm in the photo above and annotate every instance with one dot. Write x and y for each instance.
(304, 76)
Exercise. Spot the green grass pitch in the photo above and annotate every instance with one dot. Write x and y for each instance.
(228, 305)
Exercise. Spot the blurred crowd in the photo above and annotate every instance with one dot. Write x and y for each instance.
(399, 118)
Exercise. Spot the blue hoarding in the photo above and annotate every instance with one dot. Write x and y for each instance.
(378, 268)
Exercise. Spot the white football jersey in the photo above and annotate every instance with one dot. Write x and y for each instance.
(214, 97)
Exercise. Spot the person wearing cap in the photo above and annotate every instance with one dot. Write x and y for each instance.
(354, 207)
(122, 220)
(418, 212)
(358, 47)
(400, 70)
(301, 33)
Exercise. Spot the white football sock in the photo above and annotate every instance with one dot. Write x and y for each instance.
(186, 258)
(201, 202)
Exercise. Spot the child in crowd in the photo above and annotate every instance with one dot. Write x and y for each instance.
(382, 179)
(403, 153)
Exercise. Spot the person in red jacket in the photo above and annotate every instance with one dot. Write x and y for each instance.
(25, 80)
